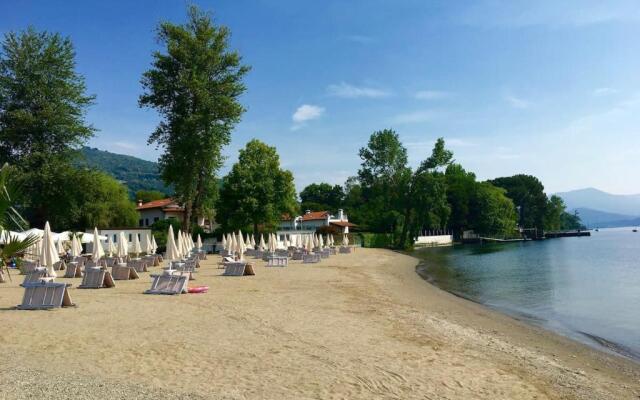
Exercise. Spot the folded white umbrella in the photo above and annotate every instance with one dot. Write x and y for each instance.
(253, 240)
(76, 249)
(48, 253)
(179, 243)
(123, 246)
(148, 244)
(137, 249)
(98, 251)
(224, 242)
(111, 248)
(199, 243)
(345, 239)
(172, 249)
(320, 241)
(60, 246)
(154, 245)
(262, 244)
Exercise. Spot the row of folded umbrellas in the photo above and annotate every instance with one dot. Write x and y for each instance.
(235, 242)
(48, 246)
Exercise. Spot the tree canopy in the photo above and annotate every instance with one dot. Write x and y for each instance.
(320, 197)
(257, 191)
(195, 85)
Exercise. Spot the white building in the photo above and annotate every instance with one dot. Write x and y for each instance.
(312, 220)
(113, 233)
(156, 210)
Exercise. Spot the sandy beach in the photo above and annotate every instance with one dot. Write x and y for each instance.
(356, 326)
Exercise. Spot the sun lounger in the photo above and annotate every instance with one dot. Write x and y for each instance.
(225, 261)
(345, 250)
(277, 261)
(37, 275)
(96, 278)
(28, 266)
(122, 272)
(310, 258)
(152, 260)
(45, 295)
(59, 266)
(73, 270)
(282, 253)
(297, 255)
(238, 269)
(168, 283)
(139, 265)
(333, 251)
(325, 253)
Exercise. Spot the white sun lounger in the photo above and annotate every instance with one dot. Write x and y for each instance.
(168, 283)
(277, 261)
(345, 250)
(238, 269)
(96, 278)
(73, 270)
(311, 258)
(123, 272)
(45, 295)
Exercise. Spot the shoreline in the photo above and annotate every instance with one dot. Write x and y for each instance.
(357, 326)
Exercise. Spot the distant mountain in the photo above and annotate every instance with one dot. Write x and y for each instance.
(601, 219)
(134, 172)
(594, 199)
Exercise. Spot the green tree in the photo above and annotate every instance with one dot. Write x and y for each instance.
(321, 196)
(195, 85)
(527, 193)
(461, 186)
(42, 110)
(491, 212)
(146, 196)
(553, 214)
(256, 192)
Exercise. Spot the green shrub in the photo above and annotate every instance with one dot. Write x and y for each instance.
(377, 240)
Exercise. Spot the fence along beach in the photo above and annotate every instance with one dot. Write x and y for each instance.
(359, 326)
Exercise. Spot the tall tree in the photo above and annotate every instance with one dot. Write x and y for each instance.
(527, 193)
(256, 192)
(321, 196)
(195, 85)
(42, 116)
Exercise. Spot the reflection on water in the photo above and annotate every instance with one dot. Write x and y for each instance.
(587, 287)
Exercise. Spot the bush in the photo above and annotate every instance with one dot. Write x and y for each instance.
(377, 240)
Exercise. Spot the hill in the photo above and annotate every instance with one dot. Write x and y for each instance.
(595, 199)
(601, 219)
(134, 172)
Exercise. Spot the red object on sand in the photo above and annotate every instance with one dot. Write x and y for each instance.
(198, 289)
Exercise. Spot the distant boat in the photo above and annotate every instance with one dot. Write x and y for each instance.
(634, 230)
(597, 230)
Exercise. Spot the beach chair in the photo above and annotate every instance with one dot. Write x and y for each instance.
(258, 254)
(110, 261)
(345, 250)
(277, 261)
(138, 265)
(250, 252)
(282, 253)
(45, 295)
(28, 267)
(333, 251)
(311, 258)
(266, 255)
(96, 278)
(225, 261)
(325, 253)
(73, 270)
(60, 265)
(297, 255)
(122, 272)
(224, 253)
(238, 269)
(168, 283)
(35, 276)
(152, 260)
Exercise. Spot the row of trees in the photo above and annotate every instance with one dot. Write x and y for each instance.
(389, 197)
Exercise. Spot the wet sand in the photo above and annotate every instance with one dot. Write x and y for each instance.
(356, 326)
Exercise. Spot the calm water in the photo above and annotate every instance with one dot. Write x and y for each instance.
(587, 288)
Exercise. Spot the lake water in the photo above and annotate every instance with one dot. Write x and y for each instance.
(587, 288)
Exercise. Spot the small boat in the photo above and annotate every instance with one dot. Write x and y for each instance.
(634, 230)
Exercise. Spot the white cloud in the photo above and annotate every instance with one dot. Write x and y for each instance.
(414, 117)
(304, 113)
(604, 91)
(125, 145)
(307, 112)
(348, 91)
(517, 102)
(431, 95)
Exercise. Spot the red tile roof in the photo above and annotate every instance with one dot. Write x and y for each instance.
(156, 204)
(315, 215)
(342, 223)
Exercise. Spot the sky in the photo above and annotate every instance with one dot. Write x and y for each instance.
(548, 88)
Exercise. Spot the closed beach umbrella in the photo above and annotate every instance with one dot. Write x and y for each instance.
(123, 246)
(148, 245)
(98, 251)
(247, 241)
(262, 242)
(154, 245)
(48, 253)
(224, 242)
(137, 249)
(320, 241)
(111, 248)
(199, 243)
(75, 246)
(179, 244)
(253, 240)
(345, 239)
(172, 249)
(60, 246)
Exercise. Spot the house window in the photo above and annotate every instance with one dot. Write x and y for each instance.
(140, 222)
(115, 237)
(146, 222)
(129, 237)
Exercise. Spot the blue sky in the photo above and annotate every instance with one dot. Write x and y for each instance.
(540, 87)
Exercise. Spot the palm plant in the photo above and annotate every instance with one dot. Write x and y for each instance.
(10, 219)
